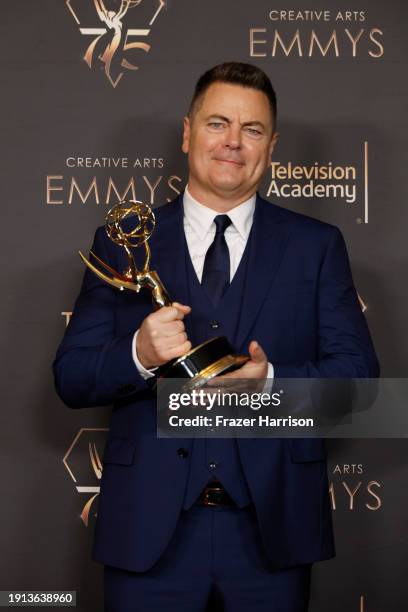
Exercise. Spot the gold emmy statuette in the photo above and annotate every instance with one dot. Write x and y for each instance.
(213, 357)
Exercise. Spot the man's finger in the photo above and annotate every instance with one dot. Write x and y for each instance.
(171, 328)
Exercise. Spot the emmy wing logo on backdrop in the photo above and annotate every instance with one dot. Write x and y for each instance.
(83, 463)
(114, 45)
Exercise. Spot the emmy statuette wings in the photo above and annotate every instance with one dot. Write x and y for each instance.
(132, 278)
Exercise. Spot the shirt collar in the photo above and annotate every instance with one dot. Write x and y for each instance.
(200, 217)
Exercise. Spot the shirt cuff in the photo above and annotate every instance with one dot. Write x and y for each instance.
(269, 379)
(144, 373)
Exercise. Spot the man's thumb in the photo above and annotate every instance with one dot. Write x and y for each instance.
(256, 352)
(185, 309)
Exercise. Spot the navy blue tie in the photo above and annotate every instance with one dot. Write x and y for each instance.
(216, 271)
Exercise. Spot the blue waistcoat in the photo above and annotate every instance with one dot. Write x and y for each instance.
(216, 458)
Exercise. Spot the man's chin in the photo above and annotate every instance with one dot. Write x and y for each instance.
(227, 183)
(227, 189)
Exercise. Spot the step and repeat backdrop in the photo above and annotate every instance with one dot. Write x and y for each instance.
(93, 98)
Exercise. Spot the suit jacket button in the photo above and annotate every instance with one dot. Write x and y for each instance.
(182, 452)
(214, 324)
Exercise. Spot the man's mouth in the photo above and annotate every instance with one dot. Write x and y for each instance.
(229, 161)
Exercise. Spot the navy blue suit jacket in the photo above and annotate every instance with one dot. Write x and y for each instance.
(299, 304)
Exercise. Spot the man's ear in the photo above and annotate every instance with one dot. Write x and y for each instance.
(186, 135)
(273, 142)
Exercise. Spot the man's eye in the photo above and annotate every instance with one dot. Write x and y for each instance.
(254, 132)
(216, 125)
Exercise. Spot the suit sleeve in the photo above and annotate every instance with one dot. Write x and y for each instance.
(345, 348)
(94, 365)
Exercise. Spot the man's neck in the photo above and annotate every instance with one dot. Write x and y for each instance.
(219, 203)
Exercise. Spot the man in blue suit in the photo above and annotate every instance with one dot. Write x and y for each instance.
(180, 520)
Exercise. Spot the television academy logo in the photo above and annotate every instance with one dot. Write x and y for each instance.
(114, 45)
(326, 181)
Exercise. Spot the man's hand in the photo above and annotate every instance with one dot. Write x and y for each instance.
(255, 369)
(162, 336)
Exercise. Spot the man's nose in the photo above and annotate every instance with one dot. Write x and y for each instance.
(233, 137)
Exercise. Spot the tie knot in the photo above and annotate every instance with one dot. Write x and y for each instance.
(221, 223)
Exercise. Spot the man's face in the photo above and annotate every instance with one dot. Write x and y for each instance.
(229, 141)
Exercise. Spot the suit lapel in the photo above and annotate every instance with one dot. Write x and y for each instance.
(268, 244)
(270, 235)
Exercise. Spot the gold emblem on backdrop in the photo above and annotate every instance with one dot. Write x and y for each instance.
(83, 463)
(114, 45)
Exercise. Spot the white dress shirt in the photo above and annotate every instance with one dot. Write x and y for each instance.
(199, 229)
